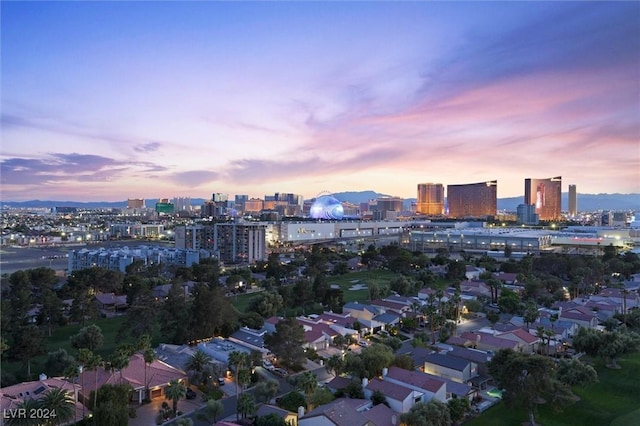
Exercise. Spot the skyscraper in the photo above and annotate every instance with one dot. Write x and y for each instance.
(573, 200)
(473, 199)
(430, 199)
(546, 195)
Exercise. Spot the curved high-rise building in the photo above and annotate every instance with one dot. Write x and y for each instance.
(473, 199)
(430, 199)
(546, 195)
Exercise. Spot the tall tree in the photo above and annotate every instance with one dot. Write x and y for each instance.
(112, 406)
(57, 362)
(174, 316)
(265, 390)
(213, 410)
(211, 313)
(528, 381)
(286, 343)
(375, 358)
(50, 314)
(61, 403)
(432, 413)
(237, 362)
(89, 337)
(28, 344)
(246, 405)
(141, 318)
(307, 382)
(175, 392)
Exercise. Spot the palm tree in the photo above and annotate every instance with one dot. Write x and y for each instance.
(121, 357)
(149, 356)
(29, 405)
(58, 401)
(214, 409)
(93, 364)
(236, 361)
(175, 392)
(246, 405)
(84, 358)
(307, 382)
(197, 364)
(541, 333)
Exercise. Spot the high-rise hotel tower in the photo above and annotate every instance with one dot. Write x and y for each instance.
(473, 199)
(546, 195)
(573, 201)
(430, 199)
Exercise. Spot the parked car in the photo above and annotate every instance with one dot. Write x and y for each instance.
(363, 343)
(280, 372)
(268, 365)
(221, 381)
(191, 394)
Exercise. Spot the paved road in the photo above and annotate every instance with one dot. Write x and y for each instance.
(229, 404)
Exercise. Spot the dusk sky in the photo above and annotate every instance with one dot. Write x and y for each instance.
(104, 101)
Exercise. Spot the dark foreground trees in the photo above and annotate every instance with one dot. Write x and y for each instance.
(286, 343)
(532, 380)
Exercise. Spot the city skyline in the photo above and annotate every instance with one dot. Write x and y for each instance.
(109, 100)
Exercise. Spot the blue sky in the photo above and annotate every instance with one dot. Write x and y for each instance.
(114, 100)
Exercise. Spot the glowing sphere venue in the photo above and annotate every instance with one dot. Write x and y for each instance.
(326, 207)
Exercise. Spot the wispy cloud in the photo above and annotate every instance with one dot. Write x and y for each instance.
(61, 168)
(193, 178)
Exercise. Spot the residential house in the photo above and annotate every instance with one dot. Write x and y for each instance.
(475, 288)
(289, 417)
(157, 377)
(338, 383)
(456, 369)
(340, 412)
(487, 342)
(390, 306)
(12, 396)
(528, 342)
(473, 272)
(430, 387)
(250, 338)
(581, 315)
(400, 398)
(480, 358)
(109, 303)
(364, 314)
(425, 292)
(507, 278)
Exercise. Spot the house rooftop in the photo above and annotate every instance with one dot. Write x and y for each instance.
(446, 361)
(390, 390)
(342, 412)
(416, 378)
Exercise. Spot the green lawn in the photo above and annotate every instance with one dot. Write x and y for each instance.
(361, 277)
(614, 400)
(242, 301)
(60, 339)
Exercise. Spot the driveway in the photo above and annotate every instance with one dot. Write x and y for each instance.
(146, 414)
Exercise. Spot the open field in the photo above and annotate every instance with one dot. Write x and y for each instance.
(346, 281)
(60, 339)
(612, 401)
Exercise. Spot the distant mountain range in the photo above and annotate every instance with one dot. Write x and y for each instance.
(586, 202)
